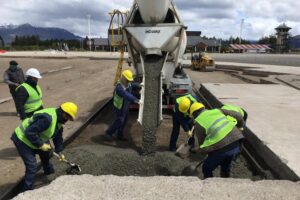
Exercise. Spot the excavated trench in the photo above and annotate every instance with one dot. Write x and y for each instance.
(97, 156)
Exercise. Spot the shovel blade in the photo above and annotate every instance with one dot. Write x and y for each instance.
(182, 151)
(74, 169)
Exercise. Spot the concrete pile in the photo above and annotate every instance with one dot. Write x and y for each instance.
(158, 187)
(105, 160)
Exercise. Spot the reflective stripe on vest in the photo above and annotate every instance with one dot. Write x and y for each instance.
(34, 100)
(233, 108)
(45, 135)
(179, 99)
(217, 126)
(118, 100)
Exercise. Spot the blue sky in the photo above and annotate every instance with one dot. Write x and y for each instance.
(220, 18)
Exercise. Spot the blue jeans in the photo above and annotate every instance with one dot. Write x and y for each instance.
(224, 159)
(118, 124)
(176, 131)
(28, 156)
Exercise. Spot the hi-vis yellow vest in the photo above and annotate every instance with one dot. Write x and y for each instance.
(118, 100)
(34, 100)
(217, 126)
(233, 108)
(46, 135)
(179, 99)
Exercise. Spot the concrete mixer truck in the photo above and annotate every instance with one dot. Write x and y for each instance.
(156, 39)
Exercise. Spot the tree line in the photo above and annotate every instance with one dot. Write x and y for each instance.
(33, 42)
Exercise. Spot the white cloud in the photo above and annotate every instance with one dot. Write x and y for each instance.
(220, 18)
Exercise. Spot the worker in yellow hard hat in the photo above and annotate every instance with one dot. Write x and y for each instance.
(218, 136)
(121, 100)
(181, 118)
(33, 137)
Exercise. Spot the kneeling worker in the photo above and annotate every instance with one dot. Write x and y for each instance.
(33, 135)
(218, 136)
(122, 99)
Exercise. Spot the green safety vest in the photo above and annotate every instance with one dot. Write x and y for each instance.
(233, 108)
(34, 100)
(217, 126)
(45, 135)
(179, 99)
(118, 100)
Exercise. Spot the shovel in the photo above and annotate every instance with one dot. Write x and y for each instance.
(190, 170)
(183, 149)
(74, 168)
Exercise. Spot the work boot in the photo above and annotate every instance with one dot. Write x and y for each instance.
(122, 138)
(50, 171)
(225, 174)
(108, 137)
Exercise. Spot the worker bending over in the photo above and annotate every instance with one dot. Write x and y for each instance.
(218, 136)
(33, 135)
(29, 94)
(236, 109)
(181, 118)
(121, 100)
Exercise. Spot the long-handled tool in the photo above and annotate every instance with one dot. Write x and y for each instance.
(74, 168)
(184, 148)
(190, 170)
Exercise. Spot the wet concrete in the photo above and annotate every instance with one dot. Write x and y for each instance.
(153, 66)
(105, 160)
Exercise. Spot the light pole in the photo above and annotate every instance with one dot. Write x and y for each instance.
(241, 30)
(89, 26)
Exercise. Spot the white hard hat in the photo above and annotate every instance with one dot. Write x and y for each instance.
(33, 72)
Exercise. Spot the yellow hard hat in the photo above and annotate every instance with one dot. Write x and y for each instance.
(194, 107)
(128, 74)
(184, 105)
(69, 108)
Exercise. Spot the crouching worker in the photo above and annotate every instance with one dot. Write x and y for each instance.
(122, 99)
(182, 118)
(218, 136)
(33, 137)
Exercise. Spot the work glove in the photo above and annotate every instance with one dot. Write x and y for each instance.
(140, 102)
(61, 157)
(241, 128)
(190, 133)
(45, 147)
(141, 85)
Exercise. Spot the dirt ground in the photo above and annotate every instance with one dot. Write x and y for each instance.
(88, 83)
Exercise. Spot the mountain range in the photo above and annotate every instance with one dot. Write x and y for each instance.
(9, 32)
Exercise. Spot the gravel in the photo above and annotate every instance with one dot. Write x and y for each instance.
(158, 187)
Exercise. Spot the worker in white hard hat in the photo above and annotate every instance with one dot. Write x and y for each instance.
(121, 101)
(29, 94)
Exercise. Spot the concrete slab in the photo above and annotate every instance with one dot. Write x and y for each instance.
(291, 80)
(281, 69)
(273, 118)
(159, 187)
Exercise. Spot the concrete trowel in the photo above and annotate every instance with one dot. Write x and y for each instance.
(74, 168)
